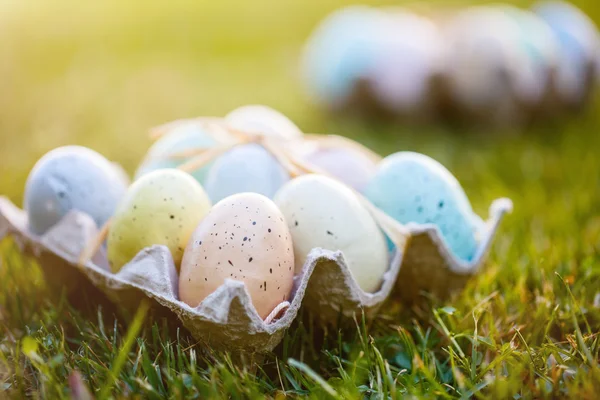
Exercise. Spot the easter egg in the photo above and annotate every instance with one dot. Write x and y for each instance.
(405, 60)
(72, 178)
(347, 165)
(245, 238)
(321, 212)
(339, 54)
(483, 64)
(412, 187)
(579, 44)
(538, 43)
(245, 168)
(184, 136)
(162, 207)
(263, 120)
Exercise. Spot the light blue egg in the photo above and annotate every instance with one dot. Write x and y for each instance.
(186, 136)
(340, 52)
(412, 187)
(72, 178)
(246, 168)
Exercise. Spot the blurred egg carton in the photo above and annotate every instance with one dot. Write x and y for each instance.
(496, 64)
(227, 319)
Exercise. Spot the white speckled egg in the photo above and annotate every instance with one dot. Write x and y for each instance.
(162, 207)
(246, 168)
(185, 135)
(412, 187)
(348, 165)
(245, 238)
(263, 120)
(322, 212)
(72, 178)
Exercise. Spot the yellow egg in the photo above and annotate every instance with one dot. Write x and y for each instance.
(163, 207)
(245, 238)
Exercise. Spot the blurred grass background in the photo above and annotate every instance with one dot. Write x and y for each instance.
(100, 74)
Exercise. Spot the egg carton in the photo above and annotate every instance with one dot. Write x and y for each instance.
(226, 319)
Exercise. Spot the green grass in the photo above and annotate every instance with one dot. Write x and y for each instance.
(100, 75)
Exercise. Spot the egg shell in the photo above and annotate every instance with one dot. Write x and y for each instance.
(345, 164)
(339, 53)
(183, 136)
(579, 44)
(246, 168)
(483, 62)
(161, 208)
(322, 212)
(264, 120)
(244, 237)
(72, 178)
(405, 59)
(411, 187)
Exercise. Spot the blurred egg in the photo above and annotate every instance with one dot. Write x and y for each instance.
(483, 63)
(405, 59)
(245, 168)
(245, 238)
(412, 187)
(579, 44)
(263, 120)
(322, 212)
(541, 49)
(348, 165)
(72, 178)
(162, 207)
(184, 135)
(339, 54)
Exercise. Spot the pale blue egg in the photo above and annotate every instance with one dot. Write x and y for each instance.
(246, 168)
(185, 136)
(340, 52)
(72, 178)
(412, 187)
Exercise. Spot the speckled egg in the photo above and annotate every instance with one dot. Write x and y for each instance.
(72, 178)
(579, 45)
(183, 136)
(347, 165)
(322, 212)
(246, 168)
(261, 119)
(163, 207)
(245, 238)
(412, 187)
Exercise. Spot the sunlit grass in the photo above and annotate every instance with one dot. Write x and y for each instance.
(101, 74)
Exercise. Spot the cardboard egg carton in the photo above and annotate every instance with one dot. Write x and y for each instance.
(227, 319)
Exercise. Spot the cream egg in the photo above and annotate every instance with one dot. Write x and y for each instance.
(163, 207)
(256, 118)
(322, 212)
(244, 237)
